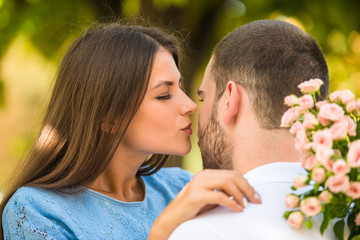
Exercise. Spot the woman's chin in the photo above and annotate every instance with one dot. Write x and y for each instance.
(184, 151)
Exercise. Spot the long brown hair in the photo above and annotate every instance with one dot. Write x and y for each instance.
(101, 81)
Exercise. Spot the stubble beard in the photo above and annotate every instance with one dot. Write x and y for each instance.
(216, 150)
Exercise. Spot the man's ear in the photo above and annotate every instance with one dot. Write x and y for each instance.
(232, 102)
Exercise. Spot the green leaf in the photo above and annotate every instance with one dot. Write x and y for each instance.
(316, 188)
(329, 174)
(325, 221)
(286, 214)
(353, 175)
(308, 224)
(351, 221)
(339, 229)
(356, 237)
(339, 210)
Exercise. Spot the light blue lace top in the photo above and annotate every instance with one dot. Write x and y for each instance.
(34, 213)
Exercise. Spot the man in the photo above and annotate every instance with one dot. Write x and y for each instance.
(250, 72)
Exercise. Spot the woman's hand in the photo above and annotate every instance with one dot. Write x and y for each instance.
(208, 188)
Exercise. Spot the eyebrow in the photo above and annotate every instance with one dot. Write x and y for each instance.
(167, 83)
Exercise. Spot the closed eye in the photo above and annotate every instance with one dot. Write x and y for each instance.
(165, 97)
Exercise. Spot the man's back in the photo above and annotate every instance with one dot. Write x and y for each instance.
(264, 221)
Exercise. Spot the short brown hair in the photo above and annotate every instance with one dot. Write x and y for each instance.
(269, 58)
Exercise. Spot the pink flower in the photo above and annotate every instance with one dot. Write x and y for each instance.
(310, 120)
(310, 86)
(318, 174)
(299, 181)
(295, 219)
(339, 130)
(323, 121)
(321, 103)
(332, 112)
(310, 206)
(346, 96)
(322, 138)
(334, 96)
(291, 100)
(323, 155)
(340, 167)
(290, 116)
(308, 162)
(295, 127)
(357, 219)
(351, 106)
(291, 201)
(338, 183)
(353, 155)
(353, 190)
(325, 196)
(306, 102)
(301, 140)
(351, 125)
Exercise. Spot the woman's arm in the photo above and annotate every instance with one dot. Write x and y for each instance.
(206, 190)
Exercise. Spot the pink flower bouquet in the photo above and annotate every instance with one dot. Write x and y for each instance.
(328, 135)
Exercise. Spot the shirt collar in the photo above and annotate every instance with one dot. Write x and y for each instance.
(274, 172)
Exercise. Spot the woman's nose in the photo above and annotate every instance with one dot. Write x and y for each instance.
(189, 107)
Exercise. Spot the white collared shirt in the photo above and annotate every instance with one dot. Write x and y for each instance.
(265, 221)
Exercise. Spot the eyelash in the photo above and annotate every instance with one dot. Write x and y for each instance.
(166, 97)
(201, 100)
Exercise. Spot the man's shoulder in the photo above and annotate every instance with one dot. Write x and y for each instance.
(264, 221)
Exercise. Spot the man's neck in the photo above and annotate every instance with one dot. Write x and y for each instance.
(262, 147)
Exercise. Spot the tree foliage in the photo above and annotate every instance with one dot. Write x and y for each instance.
(50, 25)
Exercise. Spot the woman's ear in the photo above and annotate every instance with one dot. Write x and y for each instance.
(232, 102)
(106, 126)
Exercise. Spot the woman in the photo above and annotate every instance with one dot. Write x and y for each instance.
(116, 112)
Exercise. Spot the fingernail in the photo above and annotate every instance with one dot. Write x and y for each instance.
(257, 197)
(239, 207)
(245, 202)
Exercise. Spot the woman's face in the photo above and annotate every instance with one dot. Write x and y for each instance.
(162, 123)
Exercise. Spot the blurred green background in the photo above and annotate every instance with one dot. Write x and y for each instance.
(34, 34)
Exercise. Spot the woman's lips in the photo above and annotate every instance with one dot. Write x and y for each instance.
(187, 129)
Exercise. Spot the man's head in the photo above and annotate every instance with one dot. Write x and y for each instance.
(264, 59)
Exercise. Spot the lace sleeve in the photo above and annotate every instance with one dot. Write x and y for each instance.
(21, 220)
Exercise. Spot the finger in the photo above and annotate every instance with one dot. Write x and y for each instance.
(222, 199)
(207, 208)
(220, 179)
(249, 192)
(217, 179)
(233, 192)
